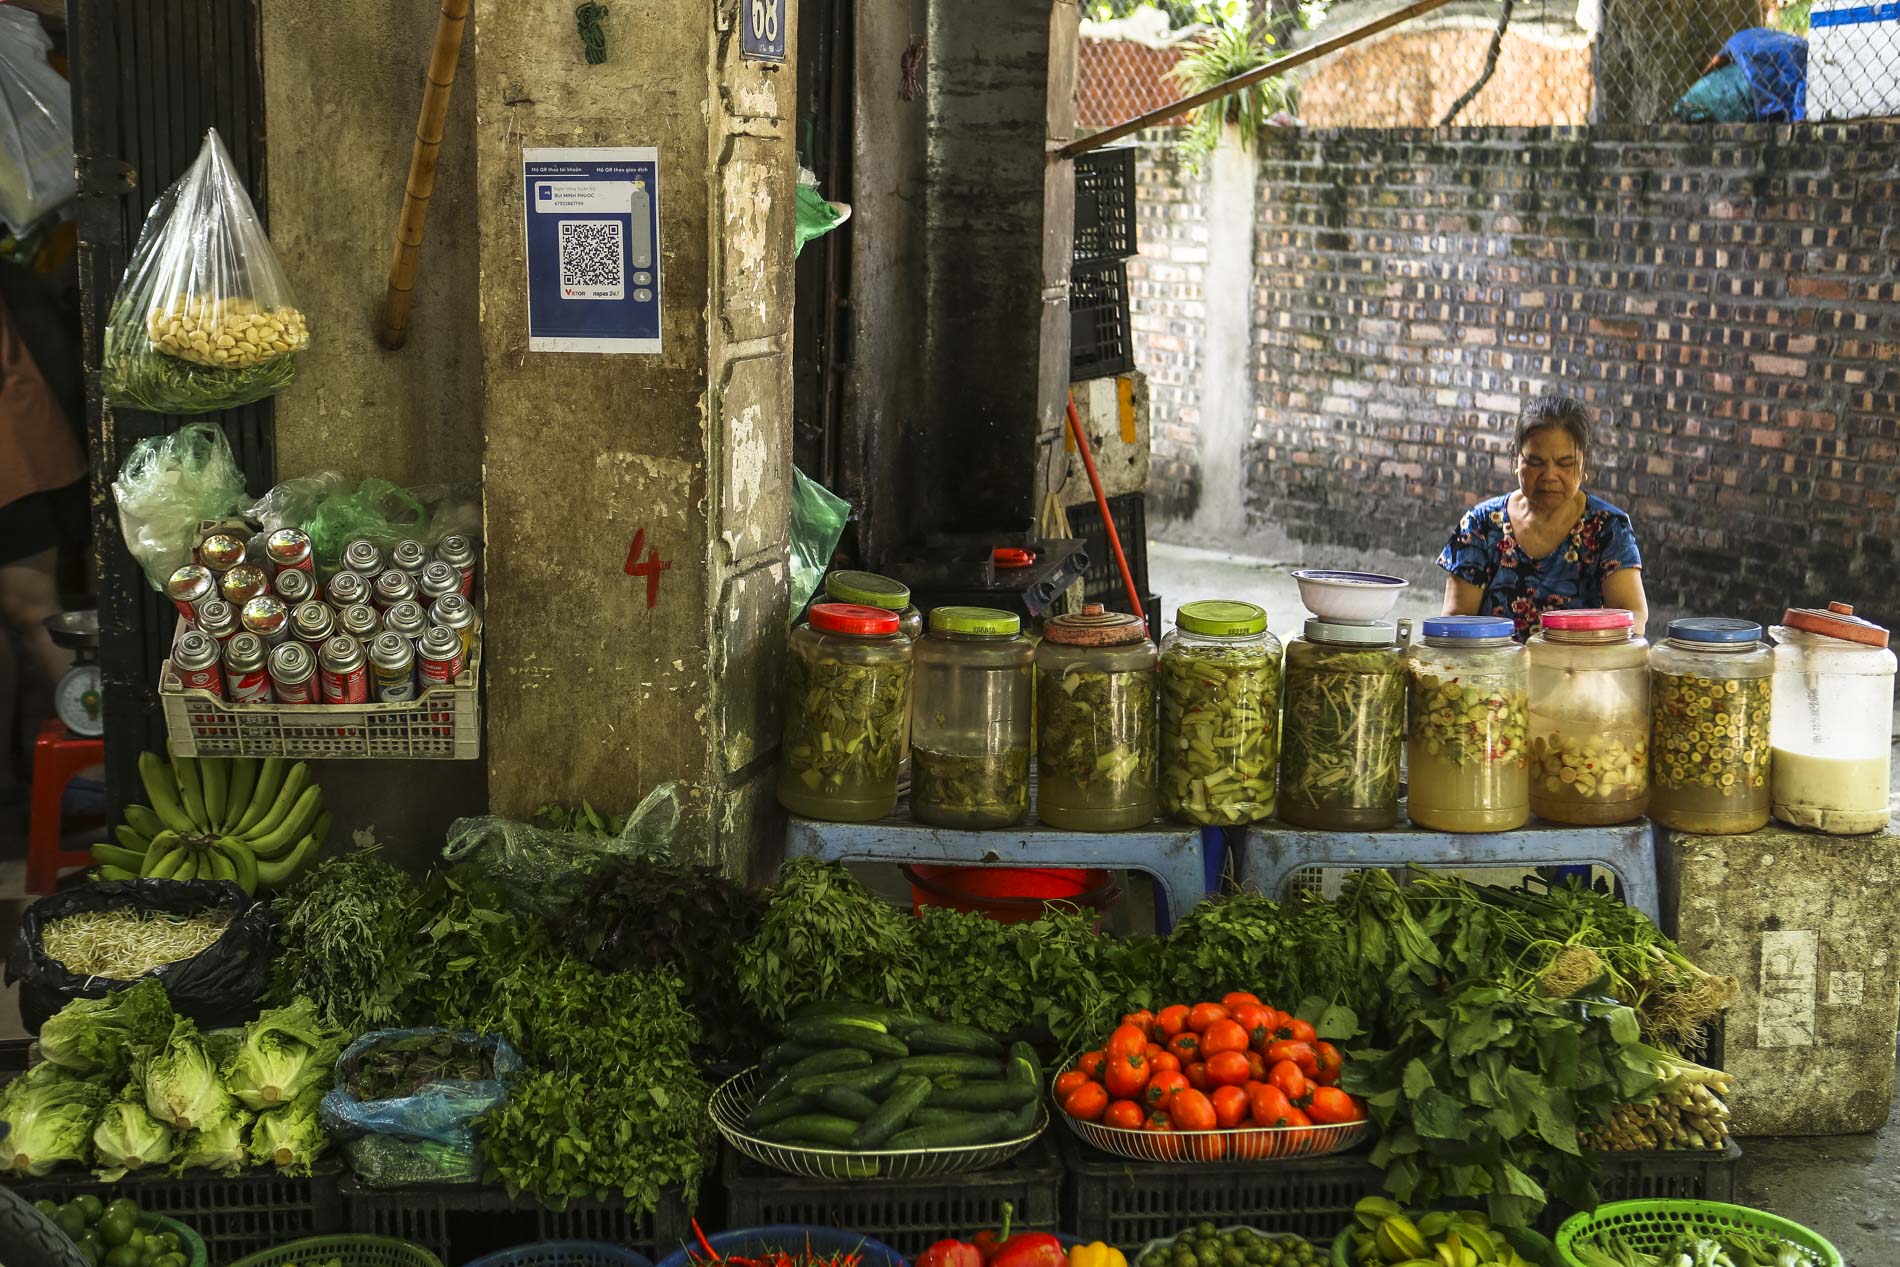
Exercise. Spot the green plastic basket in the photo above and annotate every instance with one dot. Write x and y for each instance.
(352, 1250)
(1651, 1225)
(193, 1244)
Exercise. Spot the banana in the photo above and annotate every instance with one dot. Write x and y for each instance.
(191, 792)
(163, 864)
(286, 800)
(109, 872)
(189, 868)
(270, 779)
(294, 826)
(216, 775)
(114, 856)
(322, 829)
(243, 861)
(222, 867)
(238, 798)
(131, 840)
(142, 820)
(279, 871)
(161, 789)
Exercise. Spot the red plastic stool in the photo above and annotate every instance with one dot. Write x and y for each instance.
(57, 758)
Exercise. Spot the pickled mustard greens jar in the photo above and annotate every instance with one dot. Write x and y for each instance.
(970, 720)
(868, 589)
(1095, 722)
(1710, 688)
(847, 698)
(1832, 731)
(1466, 751)
(1342, 726)
(1589, 730)
(1220, 715)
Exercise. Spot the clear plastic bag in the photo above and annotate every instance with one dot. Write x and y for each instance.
(426, 1137)
(204, 318)
(167, 487)
(36, 125)
(545, 871)
(336, 509)
(818, 519)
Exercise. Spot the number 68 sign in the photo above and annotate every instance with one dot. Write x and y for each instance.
(762, 30)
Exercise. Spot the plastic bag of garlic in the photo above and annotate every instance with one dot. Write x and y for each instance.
(203, 318)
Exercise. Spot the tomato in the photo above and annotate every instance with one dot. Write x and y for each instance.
(1143, 1020)
(1126, 1041)
(1069, 1082)
(1197, 1077)
(1302, 1031)
(1295, 1117)
(1203, 1015)
(1256, 1066)
(1125, 1076)
(1166, 1062)
(1301, 1054)
(1161, 1088)
(1251, 1143)
(1162, 1144)
(1287, 1076)
(1282, 1025)
(1091, 1063)
(1330, 1063)
(1186, 1047)
(1257, 1021)
(1191, 1111)
(1087, 1102)
(1227, 1069)
(1157, 1121)
(1230, 1107)
(1223, 1036)
(1238, 999)
(1152, 1050)
(1211, 1146)
(1269, 1105)
(1331, 1105)
(1124, 1115)
(1172, 1020)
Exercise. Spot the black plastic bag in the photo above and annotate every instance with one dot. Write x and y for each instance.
(219, 987)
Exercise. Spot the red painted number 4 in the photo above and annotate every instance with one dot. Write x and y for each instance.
(650, 567)
(765, 19)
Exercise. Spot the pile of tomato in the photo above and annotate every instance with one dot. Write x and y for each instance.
(1236, 1065)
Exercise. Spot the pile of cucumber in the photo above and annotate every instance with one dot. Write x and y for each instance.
(860, 1078)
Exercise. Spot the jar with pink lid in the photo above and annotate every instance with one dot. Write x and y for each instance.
(1589, 717)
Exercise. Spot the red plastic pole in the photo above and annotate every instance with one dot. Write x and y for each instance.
(1135, 602)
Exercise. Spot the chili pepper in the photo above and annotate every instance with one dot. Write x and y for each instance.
(704, 1243)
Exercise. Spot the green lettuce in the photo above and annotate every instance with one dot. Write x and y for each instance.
(292, 1137)
(50, 1113)
(128, 1138)
(285, 1052)
(180, 1082)
(221, 1146)
(106, 1035)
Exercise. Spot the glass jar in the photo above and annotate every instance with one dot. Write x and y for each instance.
(1466, 750)
(1589, 717)
(1095, 722)
(868, 589)
(1832, 730)
(970, 720)
(1220, 715)
(1710, 687)
(1343, 726)
(847, 697)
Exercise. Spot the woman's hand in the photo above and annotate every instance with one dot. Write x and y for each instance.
(1624, 588)
(1462, 597)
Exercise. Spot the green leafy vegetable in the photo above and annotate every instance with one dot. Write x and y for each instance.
(284, 1051)
(1289, 952)
(129, 1138)
(346, 940)
(104, 1036)
(220, 1146)
(180, 1082)
(50, 1114)
(291, 1137)
(824, 936)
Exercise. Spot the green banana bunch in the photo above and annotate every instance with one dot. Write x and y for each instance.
(257, 824)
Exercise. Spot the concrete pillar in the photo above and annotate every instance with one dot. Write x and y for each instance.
(1227, 388)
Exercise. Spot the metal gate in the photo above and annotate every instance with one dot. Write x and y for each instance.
(148, 77)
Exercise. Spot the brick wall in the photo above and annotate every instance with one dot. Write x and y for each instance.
(1167, 318)
(1726, 299)
(1410, 78)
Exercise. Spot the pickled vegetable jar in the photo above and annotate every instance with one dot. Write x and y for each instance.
(868, 589)
(1342, 726)
(1589, 728)
(1466, 750)
(970, 720)
(1220, 715)
(1833, 721)
(1095, 722)
(1710, 690)
(847, 697)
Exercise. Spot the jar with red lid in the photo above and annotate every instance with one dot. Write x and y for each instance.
(847, 706)
(1831, 729)
(1589, 717)
(1095, 722)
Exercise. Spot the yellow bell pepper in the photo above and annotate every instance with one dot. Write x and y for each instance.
(1096, 1254)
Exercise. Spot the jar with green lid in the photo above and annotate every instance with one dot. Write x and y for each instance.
(1466, 751)
(1343, 726)
(1711, 684)
(847, 699)
(868, 589)
(1220, 715)
(970, 720)
(1589, 717)
(1095, 738)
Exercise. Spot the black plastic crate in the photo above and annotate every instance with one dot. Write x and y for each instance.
(236, 1215)
(461, 1222)
(906, 1214)
(1667, 1174)
(1102, 583)
(1100, 343)
(1105, 205)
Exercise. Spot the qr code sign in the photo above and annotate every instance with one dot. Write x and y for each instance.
(593, 260)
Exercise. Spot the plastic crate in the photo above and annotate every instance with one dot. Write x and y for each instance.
(1660, 1174)
(1100, 345)
(1102, 583)
(1105, 205)
(460, 1222)
(906, 1214)
(444, 724)
(236, 1215)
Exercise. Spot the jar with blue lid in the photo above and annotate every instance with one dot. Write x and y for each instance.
(1468, 709)
(1711, 687)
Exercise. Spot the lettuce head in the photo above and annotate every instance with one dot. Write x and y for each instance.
(222, 1146)
(180, 1082)
(286, 1051)
(106, 1035)
(50, 1113)
(129, 1138)
(292, 1136)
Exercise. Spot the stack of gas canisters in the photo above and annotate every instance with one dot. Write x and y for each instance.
(261, 628)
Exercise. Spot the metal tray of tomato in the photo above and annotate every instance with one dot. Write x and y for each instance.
(1238, 1143)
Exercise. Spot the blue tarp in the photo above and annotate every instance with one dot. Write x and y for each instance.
(1776, 66)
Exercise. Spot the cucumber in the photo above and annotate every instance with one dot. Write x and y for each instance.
(814, 1128)
(864, 1081)
(785, 1055)
(952, 1038)
(770, 1111)
(1023, 1066)
(935, 1066)
(867, 1014)
(980, 1095)
(843, 1033)
(978, 1130)
(846, 1102)
(932, 1116)
(1023, 1121)
(831, 1060)
(907, 1095)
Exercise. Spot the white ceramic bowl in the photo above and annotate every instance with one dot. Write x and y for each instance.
(1348, 595)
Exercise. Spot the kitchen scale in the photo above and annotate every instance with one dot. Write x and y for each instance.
(77, 698)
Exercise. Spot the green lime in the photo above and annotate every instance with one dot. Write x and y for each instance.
(169, 1240)
(116, 1227)
(1205, 1230)
(50, 1209)
(122, 1256)
(125, 1205)
(71, 1220)
(173, 1259)
(90, 1247)
(91, 1206)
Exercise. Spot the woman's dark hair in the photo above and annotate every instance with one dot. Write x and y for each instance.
(1555, 411)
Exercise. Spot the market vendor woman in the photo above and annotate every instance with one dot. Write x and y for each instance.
(1546, 544)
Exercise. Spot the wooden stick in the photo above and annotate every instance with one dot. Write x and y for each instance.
(393, 327)
(1248, 79)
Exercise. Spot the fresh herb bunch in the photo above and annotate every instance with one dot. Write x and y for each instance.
(1296, 951)
(466, 940)
(973, 972)
(402, 1067)
(134, 372)
(1344, 723)
(345, 939)
(824, 936)
(561, 1014)
(585, 821)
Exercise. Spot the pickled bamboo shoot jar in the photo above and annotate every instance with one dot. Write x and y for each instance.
(847, 706)
(1343, 726)
(1710, 690)
(1466, 751)
(1220, 715)
(1095, 722)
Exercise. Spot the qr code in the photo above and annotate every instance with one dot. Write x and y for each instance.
(592, 260)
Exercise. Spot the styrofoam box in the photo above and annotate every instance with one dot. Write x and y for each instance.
(1853, 59)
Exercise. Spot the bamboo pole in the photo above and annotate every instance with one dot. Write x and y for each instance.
(1248, 79)
(393, 326)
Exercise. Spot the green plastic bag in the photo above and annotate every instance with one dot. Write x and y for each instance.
(818, 519)
(167, 487)
(812, 216)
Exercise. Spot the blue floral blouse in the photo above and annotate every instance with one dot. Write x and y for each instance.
(1484, 552)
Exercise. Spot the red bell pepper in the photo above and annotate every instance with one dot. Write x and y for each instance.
(951, 1254)
(1027, 1249)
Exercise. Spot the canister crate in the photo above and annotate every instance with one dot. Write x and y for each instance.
(1105, 205)
(1100, 342)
